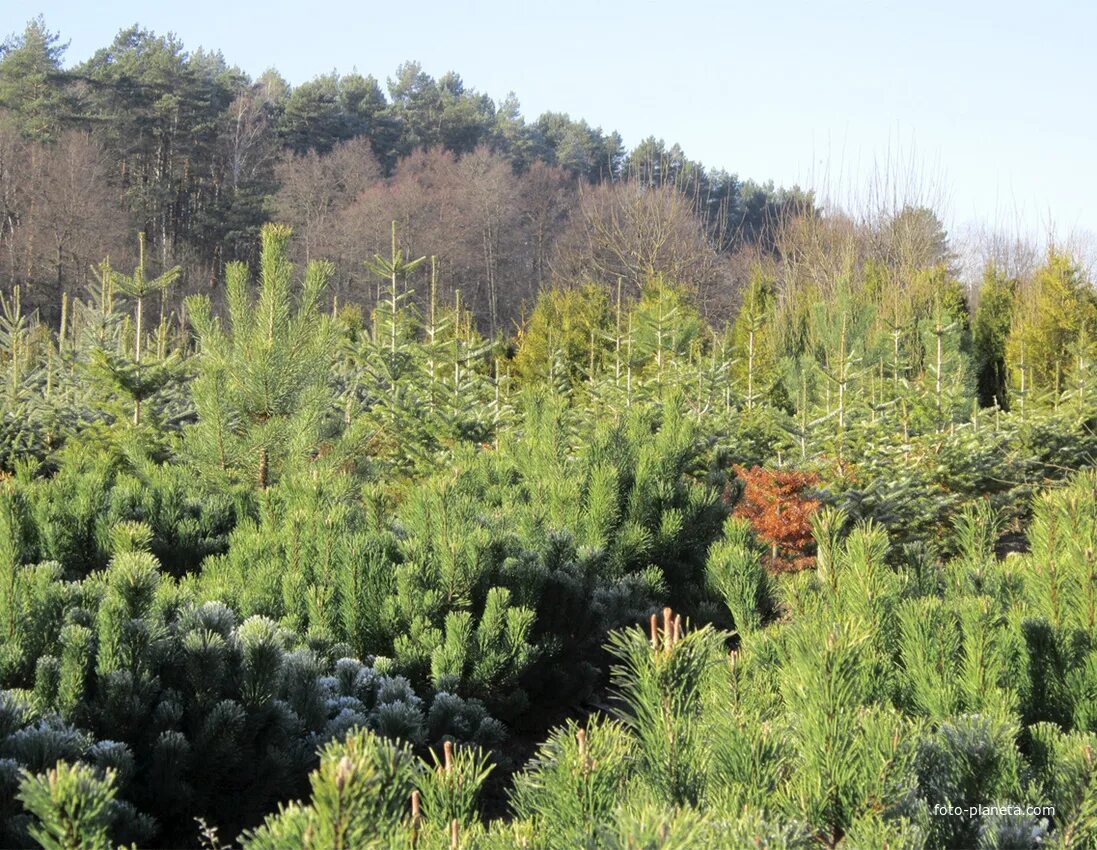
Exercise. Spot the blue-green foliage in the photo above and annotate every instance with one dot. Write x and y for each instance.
(193, 708)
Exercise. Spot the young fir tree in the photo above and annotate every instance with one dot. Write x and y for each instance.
(946, 380)
(837, 334)
(135, 374)
(382, 403)
(756, 372)
(44, 395)
(664, 325)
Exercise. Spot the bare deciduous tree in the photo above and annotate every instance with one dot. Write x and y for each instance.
(60, 215)
(491, 229)
(634, 232)
(317, 188)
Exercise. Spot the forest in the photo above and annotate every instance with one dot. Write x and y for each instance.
(390, 472)
(189, 150)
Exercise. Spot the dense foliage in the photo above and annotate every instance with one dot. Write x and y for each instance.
(300, 530)
(791, 551)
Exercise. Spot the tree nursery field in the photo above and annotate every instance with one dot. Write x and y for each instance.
(636, 521)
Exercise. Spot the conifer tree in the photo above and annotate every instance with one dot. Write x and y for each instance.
(571, 785)
(137, 378)
(15, 530)
(393, 269)
(664, 325)
(359, 799)
(947, 375)
(734, 568)
(72, 806)
(756, 369)
(39, 402)
(991, 326)
(262, 392)
(1047, 319)
(450, 789)
(661, 682)
(568, 328)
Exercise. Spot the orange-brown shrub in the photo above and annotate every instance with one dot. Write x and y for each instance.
(778, 507)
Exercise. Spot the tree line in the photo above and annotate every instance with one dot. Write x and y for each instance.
(185, 148)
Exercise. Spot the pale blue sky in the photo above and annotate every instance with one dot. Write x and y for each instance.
(994, 101)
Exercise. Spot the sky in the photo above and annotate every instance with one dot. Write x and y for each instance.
(986, 109)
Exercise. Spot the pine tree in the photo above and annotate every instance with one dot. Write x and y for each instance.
(15, 540)
(573, 782)
(262, 391)
(32, 83)
(360, 797)
(734, 568)
(661, 682)
(450, 790)
(72, 806)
